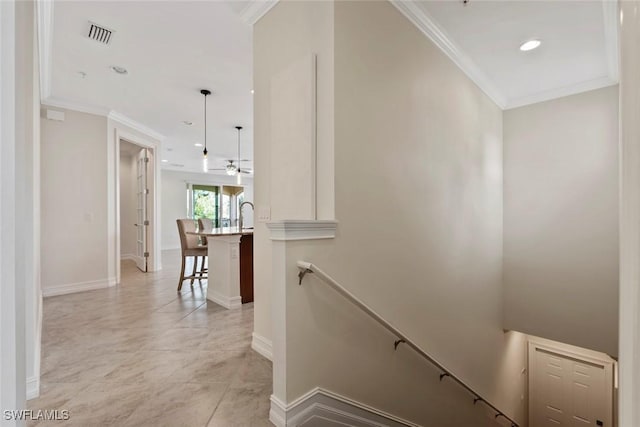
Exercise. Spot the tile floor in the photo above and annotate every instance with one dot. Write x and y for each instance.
(141, 354)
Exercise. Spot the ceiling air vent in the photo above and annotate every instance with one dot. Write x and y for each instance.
(99, 33)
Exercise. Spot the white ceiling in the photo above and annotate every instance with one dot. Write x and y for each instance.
(578, 51)
(172, 49)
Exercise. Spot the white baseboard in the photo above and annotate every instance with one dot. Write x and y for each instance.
(33, 387)
(130, 257)
(262, 345)
(223, 300)
(329, 409)
(278, 412)
(78, 287)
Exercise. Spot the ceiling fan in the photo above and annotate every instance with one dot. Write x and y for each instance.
(231, 168)
(234, 168)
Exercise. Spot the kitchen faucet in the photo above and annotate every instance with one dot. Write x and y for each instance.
(240, 225)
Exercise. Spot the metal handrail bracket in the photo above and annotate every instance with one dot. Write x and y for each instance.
(307, 267)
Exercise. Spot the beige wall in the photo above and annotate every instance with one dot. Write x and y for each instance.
(418, 149)
(74, 200)
(128, 205)
(561, 219)
(27, 171)
(304, 28)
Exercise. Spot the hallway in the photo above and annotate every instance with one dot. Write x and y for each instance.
(140, 354)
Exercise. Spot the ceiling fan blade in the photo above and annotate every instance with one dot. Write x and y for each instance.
(247, 171)
(217, 169)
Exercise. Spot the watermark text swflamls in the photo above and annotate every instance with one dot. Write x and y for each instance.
(36, 415)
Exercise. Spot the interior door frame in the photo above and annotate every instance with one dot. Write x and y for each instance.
(154, 243)
(566, 350)
(141, 171)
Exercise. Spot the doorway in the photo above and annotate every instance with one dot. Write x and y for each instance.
(569, 388)
(135, 200)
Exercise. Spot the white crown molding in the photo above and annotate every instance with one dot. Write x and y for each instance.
(439, 37)
(302, 229)
(561, 92)
(426, 24)
(122, 119)
(256, 9)
(44, 16)
(74, 106)
(100, 111)
(333, 409)
(611, 29)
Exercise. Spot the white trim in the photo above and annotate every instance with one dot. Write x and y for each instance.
(229, 303)
(262, 345)
(12, 346)
(127, 257)
(137, 126)
(38, 339)
(44, 15)
(114, 134)
(561, 92)
(71, 288)
(629, 214)
(256, 9)
(278, 412)
(427, 25)
(325, 404)
(302, 229)
(33, 387)
(611, 24)
(74, 106)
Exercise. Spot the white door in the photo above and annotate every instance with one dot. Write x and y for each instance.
(567, 391)
(142, 221)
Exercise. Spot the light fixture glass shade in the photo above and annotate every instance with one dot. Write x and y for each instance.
(231, 169)
(239, 179)
(205, 164)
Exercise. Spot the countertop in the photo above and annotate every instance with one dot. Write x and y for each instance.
(225, 231)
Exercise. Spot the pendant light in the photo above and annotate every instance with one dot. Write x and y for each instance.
(239, 171)
(205, 162)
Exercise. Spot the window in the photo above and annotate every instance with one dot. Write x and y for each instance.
(205, 203)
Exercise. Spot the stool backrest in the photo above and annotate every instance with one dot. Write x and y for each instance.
(187, 241)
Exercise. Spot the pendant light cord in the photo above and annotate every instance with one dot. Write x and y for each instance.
(205, 92)
(205, 125)
(239, 129)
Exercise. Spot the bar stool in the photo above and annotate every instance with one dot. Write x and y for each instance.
(190, 246)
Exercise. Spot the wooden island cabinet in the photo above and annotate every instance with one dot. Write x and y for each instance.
(246, 268)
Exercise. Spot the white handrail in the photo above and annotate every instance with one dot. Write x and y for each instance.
(307, 267)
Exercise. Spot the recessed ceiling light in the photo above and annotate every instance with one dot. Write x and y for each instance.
(252, 91)
(119, 70)
(187, 122)
(197, 144)
(164, 160)
(530, 45)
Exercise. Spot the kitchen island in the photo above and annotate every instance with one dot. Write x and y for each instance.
(230, 264)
